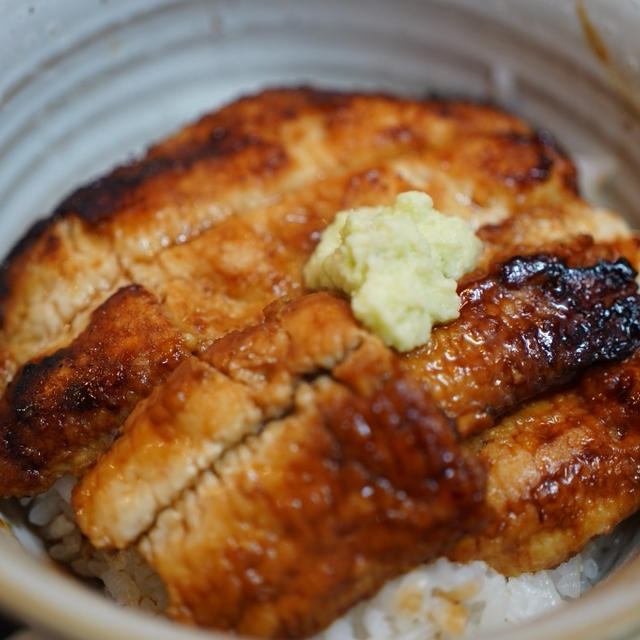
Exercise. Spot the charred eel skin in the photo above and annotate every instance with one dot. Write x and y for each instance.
(531, 325)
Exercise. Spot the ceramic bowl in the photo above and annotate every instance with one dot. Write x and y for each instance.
(85, 84)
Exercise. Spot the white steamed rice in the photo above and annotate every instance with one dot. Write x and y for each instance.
(124, 575)
(438, 600)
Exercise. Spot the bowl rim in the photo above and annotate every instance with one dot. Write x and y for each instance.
(58, 603)
(53, 601)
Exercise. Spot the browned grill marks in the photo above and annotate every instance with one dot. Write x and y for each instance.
(63, 410)
(531, 326)
(561, 470)
(99, 200)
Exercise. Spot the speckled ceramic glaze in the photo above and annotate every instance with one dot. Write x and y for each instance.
(87, 83)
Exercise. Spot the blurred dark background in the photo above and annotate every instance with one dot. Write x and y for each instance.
(7, 627)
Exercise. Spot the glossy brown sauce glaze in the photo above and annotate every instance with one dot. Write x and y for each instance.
(317, 512)
(62, 411)
(561, 470)
(304, 452)
(208, 406)
(530, 326)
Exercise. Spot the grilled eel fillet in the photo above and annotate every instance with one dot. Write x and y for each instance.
(275, 165)
(290, 450)
(61, 412)
(528, 325)
(216, 223)
(298, 475)
(560, 470)
(268, 149)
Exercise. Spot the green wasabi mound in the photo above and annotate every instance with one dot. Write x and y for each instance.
(399, 265)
